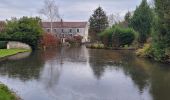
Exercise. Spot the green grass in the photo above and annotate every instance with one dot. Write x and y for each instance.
(6, 94)
(9, 52)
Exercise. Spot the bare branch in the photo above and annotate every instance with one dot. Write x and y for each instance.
(50, 10)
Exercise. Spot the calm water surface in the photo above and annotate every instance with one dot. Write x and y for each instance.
(85, 74)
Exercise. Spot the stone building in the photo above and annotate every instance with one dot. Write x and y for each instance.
(65, 30)
(62, 30)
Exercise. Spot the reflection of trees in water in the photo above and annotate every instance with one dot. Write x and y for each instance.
(101, 59)
(98, 67)
(138, 71)
(50, 75)
(144, 73)
(160, 82)
(26, 68)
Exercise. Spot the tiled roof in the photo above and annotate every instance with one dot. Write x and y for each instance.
(65, 24)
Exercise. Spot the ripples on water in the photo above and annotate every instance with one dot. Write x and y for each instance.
(85, 74)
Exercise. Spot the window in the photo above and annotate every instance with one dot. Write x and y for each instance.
(55, 30)
(48, 30)
(62, 30)
(78, 30)
(70, 30)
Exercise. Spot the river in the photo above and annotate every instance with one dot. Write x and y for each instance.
(85, 74)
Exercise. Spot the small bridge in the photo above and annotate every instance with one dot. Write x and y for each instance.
(17, 45)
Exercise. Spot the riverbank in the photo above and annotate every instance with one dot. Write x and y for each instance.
(6, 94)
(9, 52)
(101, 46)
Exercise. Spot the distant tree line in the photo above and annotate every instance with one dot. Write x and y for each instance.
(114, 36)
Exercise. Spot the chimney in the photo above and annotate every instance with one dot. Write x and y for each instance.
(61, 22)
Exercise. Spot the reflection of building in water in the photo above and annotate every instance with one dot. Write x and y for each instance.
(51, 74)
(76, 54)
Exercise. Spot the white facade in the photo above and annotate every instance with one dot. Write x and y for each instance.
(69, 32)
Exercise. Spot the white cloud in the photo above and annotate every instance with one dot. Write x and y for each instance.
(69, 9)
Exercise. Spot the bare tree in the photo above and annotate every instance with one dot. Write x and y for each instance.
(114, 18)
(51, 11)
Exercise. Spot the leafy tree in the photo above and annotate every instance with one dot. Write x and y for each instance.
(98, 23)
(142, 21)
(106, 36)
(161, 34)
(117, 36)
(123, 36)
(27, 30)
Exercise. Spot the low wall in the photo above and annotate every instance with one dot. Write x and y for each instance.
(17, 45)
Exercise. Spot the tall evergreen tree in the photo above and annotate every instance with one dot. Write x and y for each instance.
(98, 23)
(142, 21)
(127, 16)
(161, 26)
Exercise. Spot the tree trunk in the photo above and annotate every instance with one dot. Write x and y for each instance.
(51, 26)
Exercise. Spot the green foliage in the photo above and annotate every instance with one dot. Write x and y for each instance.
(142, 21)
(146, 51)
(9, 52)
(3, 44)
(27, 30)
(123, 36)
(98, 23)
(96, 46)
(128, 17)
(117, 36)
(5, 93)
(106, 36)
(159, 51)
(4, 36)
(161, 30)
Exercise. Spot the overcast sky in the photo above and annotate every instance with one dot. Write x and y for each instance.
(70, 10)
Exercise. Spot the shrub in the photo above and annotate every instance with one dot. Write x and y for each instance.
(4, 36)
(167, 52)
(75, 40)
(27, 30)
(106, 36)
(96, 46)
(123, 36)
(159, 51)
(146, 51)
(49, 40)
(117, 36)
(3, 44)
(78, 38)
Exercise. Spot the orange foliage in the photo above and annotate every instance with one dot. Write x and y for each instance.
(49, 40)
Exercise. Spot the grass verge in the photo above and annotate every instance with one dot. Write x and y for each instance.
(10, 52)
(6, 94)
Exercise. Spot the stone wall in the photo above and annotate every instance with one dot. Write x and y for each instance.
(17, 45)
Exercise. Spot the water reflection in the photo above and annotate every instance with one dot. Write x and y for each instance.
(86, 74)
(25, 69)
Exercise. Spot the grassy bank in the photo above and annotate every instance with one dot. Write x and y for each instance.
(9, 52)
(6, 94)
